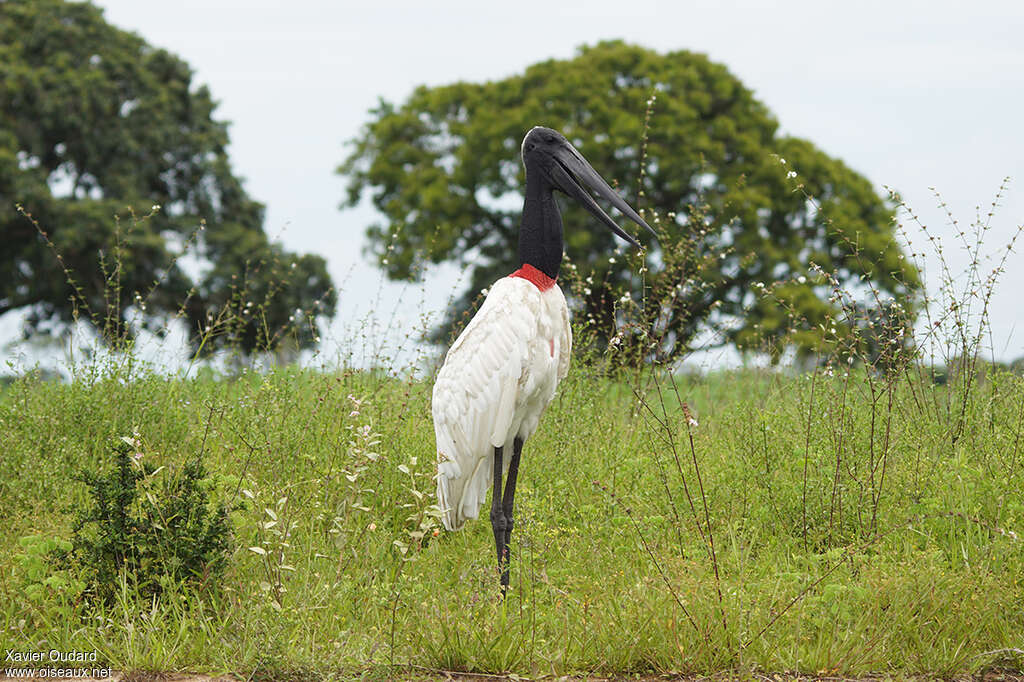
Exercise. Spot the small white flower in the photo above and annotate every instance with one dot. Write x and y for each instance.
(586, 291)
(791, 174)
(611, 259)
(485, 291)
(156, 207)
(692, 421)
(625, 299)
(801, 279)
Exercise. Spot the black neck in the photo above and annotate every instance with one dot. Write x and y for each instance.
(540, 233)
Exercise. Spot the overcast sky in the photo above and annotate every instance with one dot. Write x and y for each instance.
(911, 94)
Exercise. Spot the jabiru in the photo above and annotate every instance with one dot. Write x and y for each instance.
(503, 369)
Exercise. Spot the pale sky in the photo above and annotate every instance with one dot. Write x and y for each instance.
(911, 94)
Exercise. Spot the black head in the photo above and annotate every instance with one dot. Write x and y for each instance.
(547, 152)
(541, 140)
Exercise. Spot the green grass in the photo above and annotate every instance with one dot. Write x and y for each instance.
(855, 528)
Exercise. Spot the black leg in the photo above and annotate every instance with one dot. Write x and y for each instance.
(506, 506)
(498, 519)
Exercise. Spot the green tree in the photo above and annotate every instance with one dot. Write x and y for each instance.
(97, 123)
(443, 168)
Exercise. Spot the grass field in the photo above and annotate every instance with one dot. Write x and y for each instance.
(833, 522)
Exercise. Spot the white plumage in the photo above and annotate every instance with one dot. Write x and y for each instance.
(497, 379)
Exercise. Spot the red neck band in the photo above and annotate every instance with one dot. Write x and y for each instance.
(538, 278)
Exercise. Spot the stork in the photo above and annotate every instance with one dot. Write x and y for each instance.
(503, 369)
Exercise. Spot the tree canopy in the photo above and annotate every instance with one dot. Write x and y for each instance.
(702, 154)
(95, 124)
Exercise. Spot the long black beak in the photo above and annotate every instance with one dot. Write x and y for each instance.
(570, 165)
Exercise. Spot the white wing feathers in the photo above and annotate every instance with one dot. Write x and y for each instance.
(496, 380)
(566, 340)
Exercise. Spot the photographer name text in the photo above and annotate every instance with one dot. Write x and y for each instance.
(51, 656)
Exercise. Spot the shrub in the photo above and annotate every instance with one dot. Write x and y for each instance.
(153, 527)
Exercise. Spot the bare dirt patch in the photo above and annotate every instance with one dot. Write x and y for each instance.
(451, 676)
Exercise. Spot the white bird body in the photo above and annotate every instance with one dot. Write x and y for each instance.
(497, 379)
